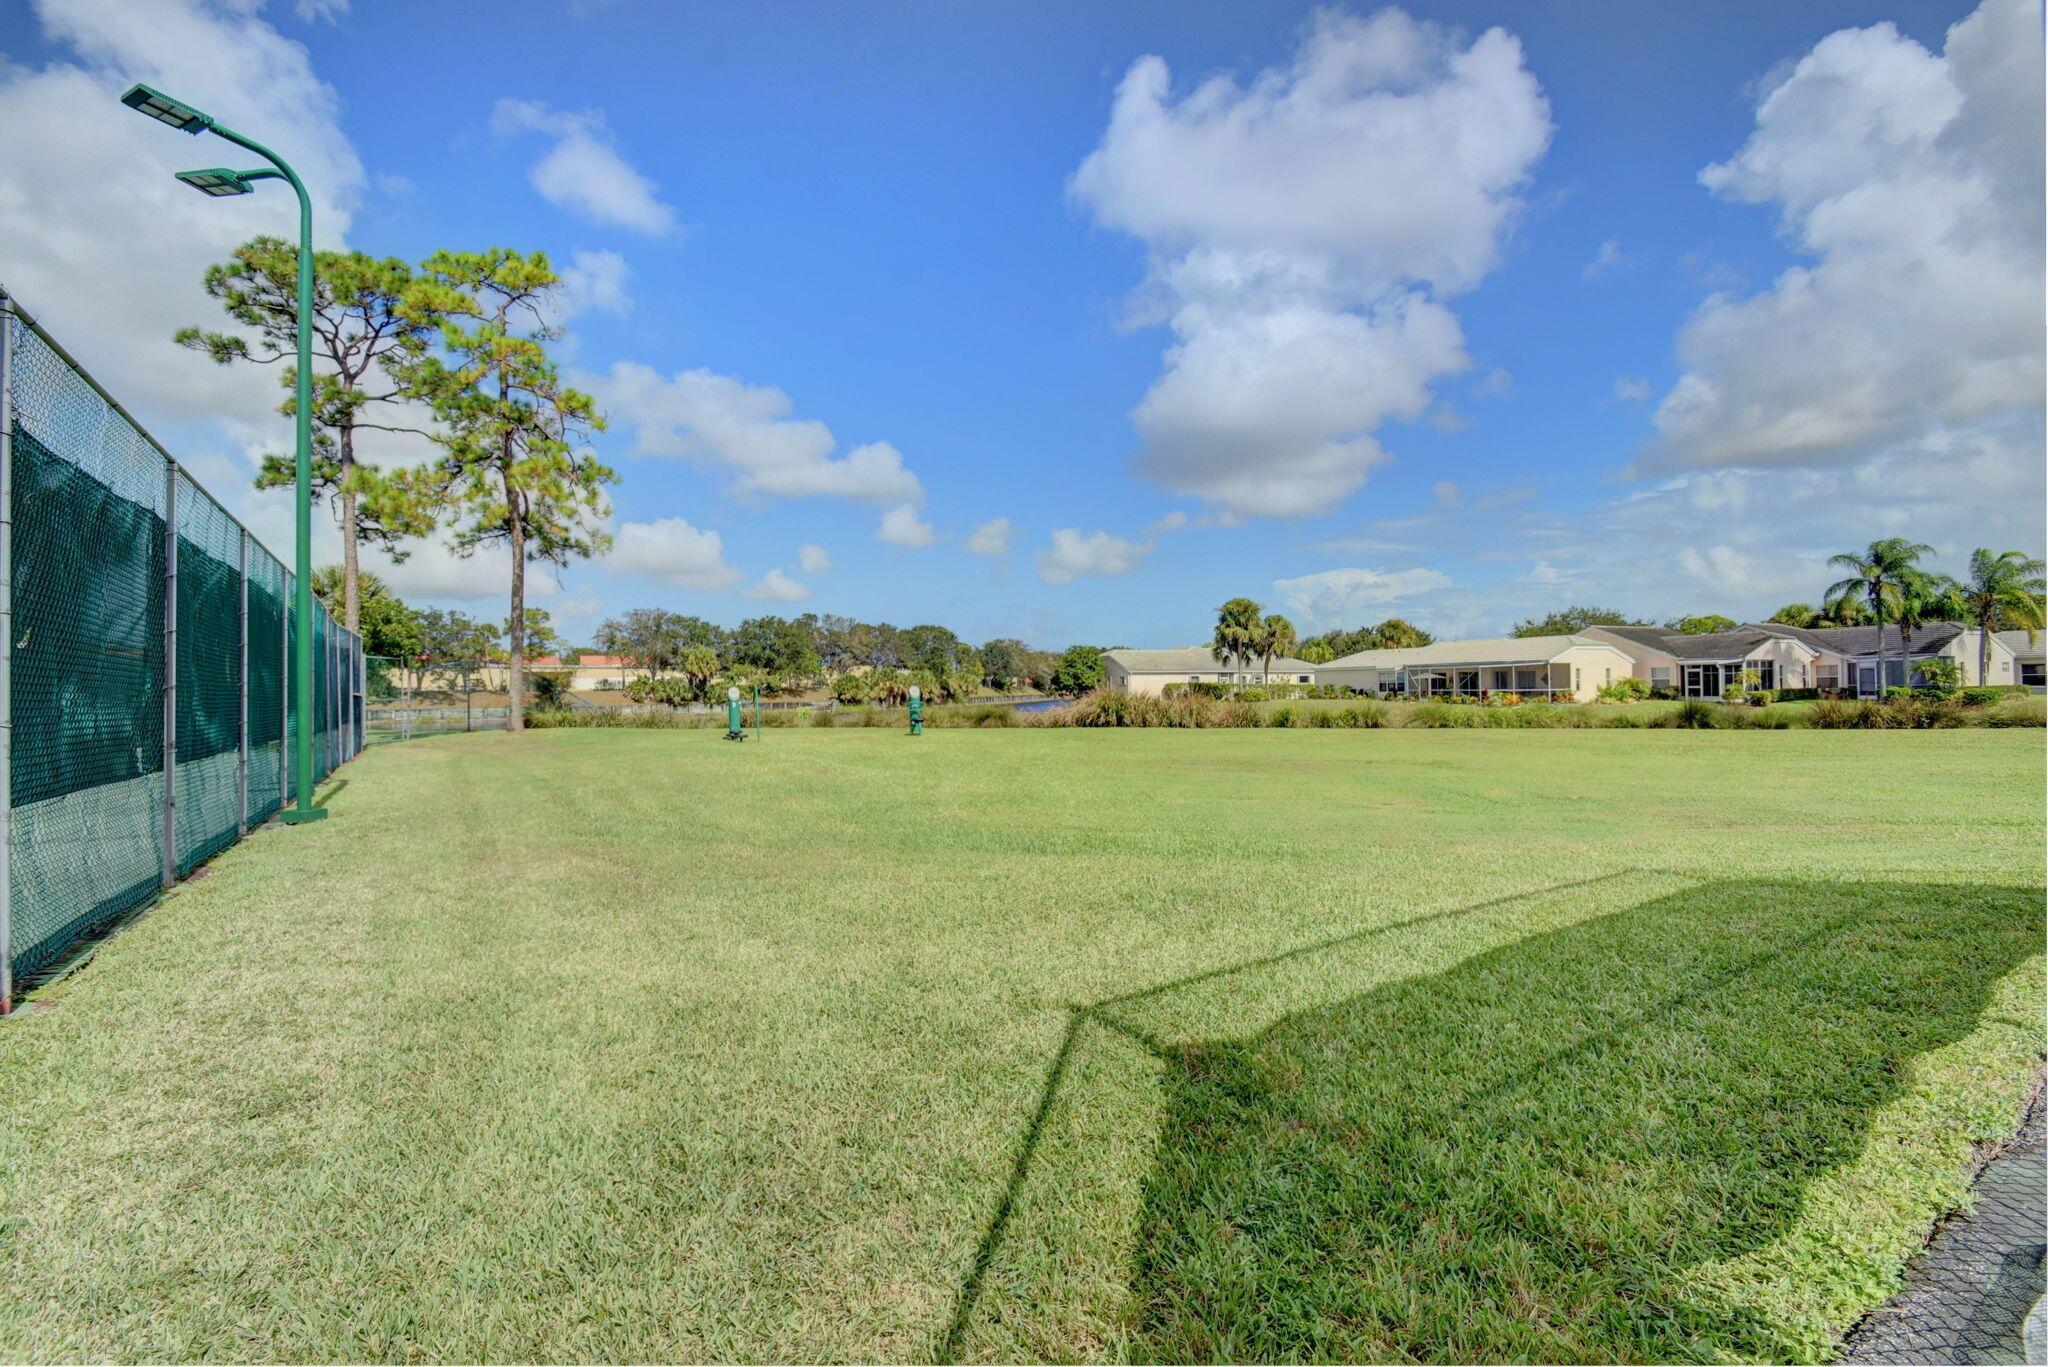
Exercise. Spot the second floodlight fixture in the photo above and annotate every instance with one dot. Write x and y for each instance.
(217, 181)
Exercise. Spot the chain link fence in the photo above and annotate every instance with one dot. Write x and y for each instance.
(407, 699)
(145, 646)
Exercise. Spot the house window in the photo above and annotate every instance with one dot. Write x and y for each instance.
(1660, 676)
(1301, 678)
(1194, 678)
(1827, 676)
(1766, 672)
(2033, 675)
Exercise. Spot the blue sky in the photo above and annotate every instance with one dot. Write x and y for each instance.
(1405, 312)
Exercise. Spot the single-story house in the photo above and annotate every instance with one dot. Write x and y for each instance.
(1848, 657)
(1149, 671)
(1778, 656)
(1702, 666)
(1573, 667)
(2026, 649)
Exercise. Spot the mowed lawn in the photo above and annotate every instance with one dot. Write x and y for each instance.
(1544, 1045)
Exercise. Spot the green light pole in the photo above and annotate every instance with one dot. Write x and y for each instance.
(220, 183)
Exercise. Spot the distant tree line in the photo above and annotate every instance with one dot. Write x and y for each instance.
(856, 660)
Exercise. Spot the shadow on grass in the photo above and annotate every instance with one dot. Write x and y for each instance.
(1519, 1158)
(1105, 1013)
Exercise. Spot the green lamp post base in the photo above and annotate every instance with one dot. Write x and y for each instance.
(299, 816)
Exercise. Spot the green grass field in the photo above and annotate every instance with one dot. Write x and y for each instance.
(1516, 1045)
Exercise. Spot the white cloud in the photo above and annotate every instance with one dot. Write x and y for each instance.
(433, 572)
(1172, 522)
(1630, 389)
(1913, 182)
(990, 538)
(582, 171)
(1741, 574)
(1302, 231)
(777, 587)
(1494, 384)
(314, 11)
(1074, 553)
(901, 526)
(1607, 261)
(672, 551)
(813, 559)
(593, 282)
(1333, 596)
(1446, 492)
(700, 415)
(103, 246)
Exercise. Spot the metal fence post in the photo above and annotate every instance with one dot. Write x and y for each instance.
(242, 725)
(6, 653)
(170, 673)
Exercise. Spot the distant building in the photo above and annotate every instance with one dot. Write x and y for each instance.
(1842, 659)
(1149, 671)
(1563, 667)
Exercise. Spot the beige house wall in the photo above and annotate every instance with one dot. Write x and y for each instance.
(1363, 680)
(1642, 659)
(584, 678)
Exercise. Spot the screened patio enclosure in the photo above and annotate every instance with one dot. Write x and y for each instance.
(1707, 680)
(1539, 680)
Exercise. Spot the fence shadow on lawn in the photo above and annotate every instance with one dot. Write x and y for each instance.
(1522, 1156)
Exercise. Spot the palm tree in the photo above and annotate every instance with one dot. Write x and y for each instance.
(1879, 574)
(1237, 631)
(1849, 611)
(330, 584)
(2002, 593)
(1796, 615)
(1276, 637)
(1925, 598)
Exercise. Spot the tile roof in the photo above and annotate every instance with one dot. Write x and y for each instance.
(1863, 640)
(2019, 644)
(1490, 650)
(1713, 645)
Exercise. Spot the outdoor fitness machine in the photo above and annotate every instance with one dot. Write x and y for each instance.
(735, 725)
(916, 711)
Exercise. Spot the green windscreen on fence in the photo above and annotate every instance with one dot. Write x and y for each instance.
(207, 791)
(322, 648)
(266, 683)
(86, 699)
(95, 651)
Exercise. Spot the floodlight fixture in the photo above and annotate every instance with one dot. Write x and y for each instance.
(165, 110)
(217, 181)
